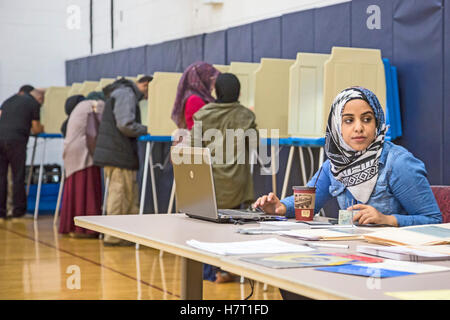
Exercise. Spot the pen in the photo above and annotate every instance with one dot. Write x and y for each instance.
(327, 245)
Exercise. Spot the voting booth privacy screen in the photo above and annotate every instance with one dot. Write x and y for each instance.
(410, 34)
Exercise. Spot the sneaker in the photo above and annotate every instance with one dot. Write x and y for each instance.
(22, 216)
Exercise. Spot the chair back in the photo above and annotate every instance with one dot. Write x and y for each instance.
(442, 195)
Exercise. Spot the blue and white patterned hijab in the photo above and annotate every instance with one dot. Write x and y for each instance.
(357, 170)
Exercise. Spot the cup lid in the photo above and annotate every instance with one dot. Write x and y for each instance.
(305, 188)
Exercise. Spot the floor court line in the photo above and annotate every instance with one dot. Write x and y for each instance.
(88, 260)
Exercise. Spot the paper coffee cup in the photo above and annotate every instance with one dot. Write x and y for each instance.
(304, 200)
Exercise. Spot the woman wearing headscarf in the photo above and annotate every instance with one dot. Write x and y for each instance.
(193, 92)
(387, 183)
(82, 189)
(232, 177)
(231, 167)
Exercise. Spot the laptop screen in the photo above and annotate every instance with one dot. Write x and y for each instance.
(194, 182)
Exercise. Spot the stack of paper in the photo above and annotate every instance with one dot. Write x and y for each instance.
(271, 245)
(283, 225)
(272, 227)
(327, 234)
(403, 253)
(386, 269)
(415, 235)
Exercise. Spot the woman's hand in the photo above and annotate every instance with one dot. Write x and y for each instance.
(270, 204)
(368, 214)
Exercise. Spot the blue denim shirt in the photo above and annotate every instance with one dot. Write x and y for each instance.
(402, 189)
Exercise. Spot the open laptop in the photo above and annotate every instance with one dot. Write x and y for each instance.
(195, 192)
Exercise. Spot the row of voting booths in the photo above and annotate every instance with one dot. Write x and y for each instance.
(42, 197)
(52, 111)
(291, 96)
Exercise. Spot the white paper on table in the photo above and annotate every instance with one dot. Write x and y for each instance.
(271, 245)
(285, 225)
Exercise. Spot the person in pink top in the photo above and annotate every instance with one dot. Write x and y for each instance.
(193, 92)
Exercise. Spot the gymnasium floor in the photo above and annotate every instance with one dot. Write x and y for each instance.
(38, 263)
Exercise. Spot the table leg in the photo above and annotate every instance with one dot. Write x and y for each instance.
(191, 279)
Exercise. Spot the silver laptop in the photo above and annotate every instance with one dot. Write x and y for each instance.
(195, 192)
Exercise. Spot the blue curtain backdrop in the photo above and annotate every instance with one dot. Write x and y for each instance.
(215, 47)
(297, 33)
(445, 88)
(266, 37)
(239, 44)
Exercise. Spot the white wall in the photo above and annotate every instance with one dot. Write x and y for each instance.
(35, 41)
(37, 37)
(140, 22)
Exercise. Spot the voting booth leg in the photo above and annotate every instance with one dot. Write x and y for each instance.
(302, 165)
(288, 172)
(321, 154)
(152, 178)
(105, 198)
(311, 162)
(30, 173)
(58, 202)
(38, 194)
(274, 170)
(191, 279)
(172, 198)
(144, 178)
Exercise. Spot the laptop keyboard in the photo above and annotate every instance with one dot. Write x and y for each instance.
(235, 212)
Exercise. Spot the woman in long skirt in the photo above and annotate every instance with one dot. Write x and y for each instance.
(83, 189)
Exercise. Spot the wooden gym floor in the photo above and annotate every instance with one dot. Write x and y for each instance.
(38, 263)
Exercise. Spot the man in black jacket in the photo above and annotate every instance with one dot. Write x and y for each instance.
(116, 146)
(20, 114)
(25, 89)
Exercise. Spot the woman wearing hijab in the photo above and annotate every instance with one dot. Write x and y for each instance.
(387, 183)
(82, 189)
(70, 105)
(232, 178)
(194, 91)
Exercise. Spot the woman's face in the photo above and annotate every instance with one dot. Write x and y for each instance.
(358, 124)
